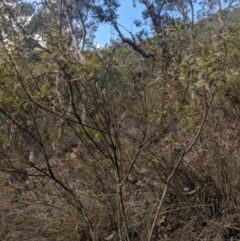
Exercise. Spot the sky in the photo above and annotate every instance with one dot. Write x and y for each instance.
(127, 15)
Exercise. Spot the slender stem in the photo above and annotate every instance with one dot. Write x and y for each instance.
(179, 161)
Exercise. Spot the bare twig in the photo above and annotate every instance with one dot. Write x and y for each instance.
(179, 161)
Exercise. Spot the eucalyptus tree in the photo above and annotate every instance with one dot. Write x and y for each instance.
(46, 27)
(157, 18)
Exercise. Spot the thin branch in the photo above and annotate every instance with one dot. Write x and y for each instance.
(179, 161)
(131, 43)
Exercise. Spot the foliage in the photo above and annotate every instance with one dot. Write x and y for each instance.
(135, 141)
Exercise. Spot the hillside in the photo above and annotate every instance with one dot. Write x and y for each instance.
(134, 141)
